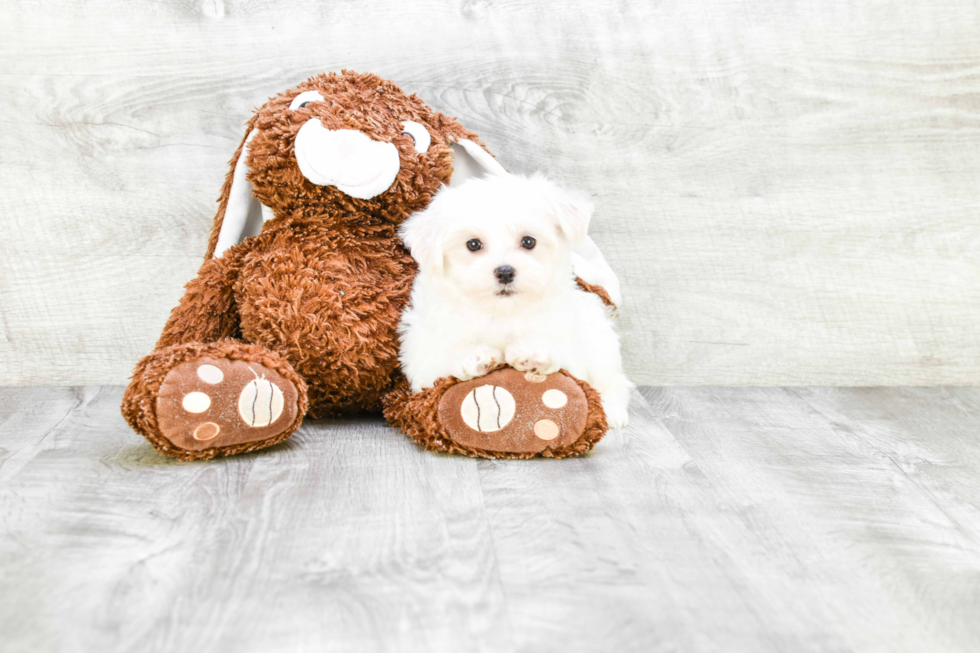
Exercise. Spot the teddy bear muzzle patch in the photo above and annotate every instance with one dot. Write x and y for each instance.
(347, 159)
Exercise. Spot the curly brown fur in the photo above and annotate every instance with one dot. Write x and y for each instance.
(417, 415)
(139, 400)
(323, 285)
(208, 310)
(598, 290)
(329, 301)
(325, 282)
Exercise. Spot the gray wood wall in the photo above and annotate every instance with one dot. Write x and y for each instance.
(789, 190)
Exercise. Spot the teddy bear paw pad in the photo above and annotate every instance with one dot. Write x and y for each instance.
(509, 411)
(210, 402)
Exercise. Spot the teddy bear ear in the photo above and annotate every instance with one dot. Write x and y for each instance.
(470, 160)
(239, 214)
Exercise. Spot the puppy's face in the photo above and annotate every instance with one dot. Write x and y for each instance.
(500, 241)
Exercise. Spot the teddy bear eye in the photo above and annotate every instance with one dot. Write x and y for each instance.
(305, 98)
(419, 134)
(474, 244)
(528, 242)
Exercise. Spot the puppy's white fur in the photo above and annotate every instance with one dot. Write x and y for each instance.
(463, 321)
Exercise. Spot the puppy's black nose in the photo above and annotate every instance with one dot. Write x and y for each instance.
(505, 274)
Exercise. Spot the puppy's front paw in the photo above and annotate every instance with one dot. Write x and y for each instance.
(479, 362)
(617, 414)
(531, 357)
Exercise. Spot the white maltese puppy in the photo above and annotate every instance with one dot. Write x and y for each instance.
(495, 284)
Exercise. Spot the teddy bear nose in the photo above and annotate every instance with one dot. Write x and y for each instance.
(505, 274)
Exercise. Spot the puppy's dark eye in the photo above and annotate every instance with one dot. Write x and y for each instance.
(303, 105)
(528, 243)
(474, 245)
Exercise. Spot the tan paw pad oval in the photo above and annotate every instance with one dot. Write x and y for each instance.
(260, 403)
(546, 429)
(207, 431)
(554, 398)
(210, 374)
(488, 408)
(196, 402)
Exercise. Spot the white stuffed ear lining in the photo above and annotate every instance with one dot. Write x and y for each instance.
(470, 160)
(244, 215)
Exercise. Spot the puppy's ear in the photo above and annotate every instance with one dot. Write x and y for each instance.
(423, 235)
(571, 210)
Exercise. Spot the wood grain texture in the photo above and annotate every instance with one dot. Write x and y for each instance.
(788, 190)
(752, 520)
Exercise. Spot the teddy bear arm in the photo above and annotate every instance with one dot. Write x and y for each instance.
(208, 311)
(596, 289)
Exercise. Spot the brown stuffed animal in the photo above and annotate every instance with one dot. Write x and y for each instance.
(295, 309)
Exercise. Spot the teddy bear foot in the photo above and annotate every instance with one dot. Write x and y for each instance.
(225, 405)
(505, 414)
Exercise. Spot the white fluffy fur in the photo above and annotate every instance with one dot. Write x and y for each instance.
(459, 324)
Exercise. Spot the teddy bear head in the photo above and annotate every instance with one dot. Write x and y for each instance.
(342, 146)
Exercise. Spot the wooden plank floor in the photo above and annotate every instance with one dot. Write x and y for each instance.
(762, 519)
